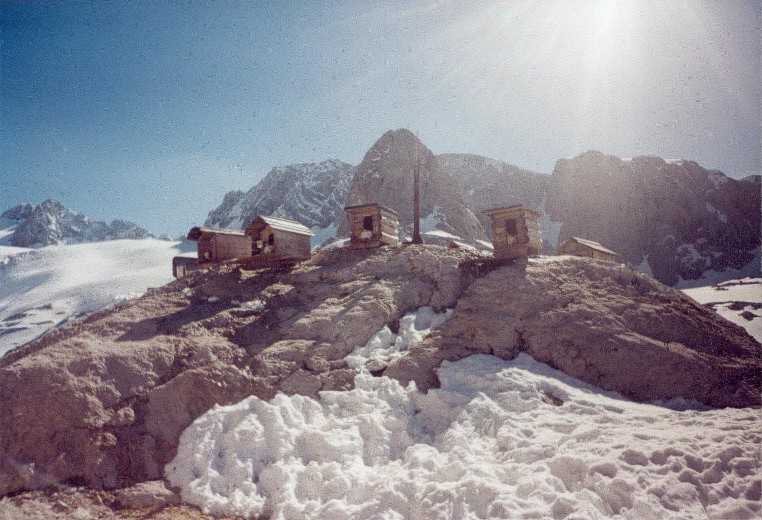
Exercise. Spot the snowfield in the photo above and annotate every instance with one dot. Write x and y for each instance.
(739, 301)
(41, 288)
(498, 439)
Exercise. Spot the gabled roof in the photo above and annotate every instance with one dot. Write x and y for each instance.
(372, 205)
(592, 244)
(196, 232)
(282, 224)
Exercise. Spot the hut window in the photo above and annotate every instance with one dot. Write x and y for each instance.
(510, 227)
(271, 239)
(367, 223)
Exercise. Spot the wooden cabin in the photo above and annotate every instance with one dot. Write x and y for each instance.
(583, 247)
(216, 245)
(277, 238)
(372, 225)
(515, 231)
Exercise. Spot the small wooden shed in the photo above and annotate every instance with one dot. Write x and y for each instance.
(216, 245)
(372, 225)
(515, 231)
(279, 238)
(589, 248)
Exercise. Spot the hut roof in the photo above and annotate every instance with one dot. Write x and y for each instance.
(515, 208)
(592, 244)
(372, 205)
(282, 224)
(196, 232)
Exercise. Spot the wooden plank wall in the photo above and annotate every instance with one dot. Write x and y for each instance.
(231, 246)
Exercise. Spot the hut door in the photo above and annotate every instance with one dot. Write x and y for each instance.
(367, 223)
(270, 247)
(510, 227)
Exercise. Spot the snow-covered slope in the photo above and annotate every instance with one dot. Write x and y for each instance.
(498, 439)
(51, 223)
(41, 288)
(313, 193)
(739, 301)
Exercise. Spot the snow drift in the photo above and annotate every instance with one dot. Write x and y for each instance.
(498, 439)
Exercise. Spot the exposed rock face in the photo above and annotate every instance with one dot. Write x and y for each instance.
(313, 193)
(607, 325)
(103, 402)
(683, 218)
(487, 183)
(52, 223)
(385, 176)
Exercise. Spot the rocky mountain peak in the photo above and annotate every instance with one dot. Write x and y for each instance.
(385, 175)
(313, 193)
(50, 222)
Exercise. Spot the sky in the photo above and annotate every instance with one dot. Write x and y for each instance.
(152, 111)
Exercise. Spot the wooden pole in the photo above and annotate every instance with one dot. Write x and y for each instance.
(416, 201)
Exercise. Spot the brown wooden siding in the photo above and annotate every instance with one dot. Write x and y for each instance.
(385, 227)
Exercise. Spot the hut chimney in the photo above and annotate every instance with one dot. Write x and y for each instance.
(416, 200)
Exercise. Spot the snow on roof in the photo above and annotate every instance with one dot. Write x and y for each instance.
(284, 224)
(196, 231)
(593, 245)
(441, 234)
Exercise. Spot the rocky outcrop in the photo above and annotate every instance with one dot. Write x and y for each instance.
(103, 402)
(51, 223)
(385, 176)
(680, 218)
(313, 193)
(606, 325)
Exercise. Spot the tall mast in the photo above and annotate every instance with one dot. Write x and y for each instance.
(416, 200)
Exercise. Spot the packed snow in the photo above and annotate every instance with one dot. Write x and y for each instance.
(41, 288)
(498, 439)
(386, 346)
(739, 301)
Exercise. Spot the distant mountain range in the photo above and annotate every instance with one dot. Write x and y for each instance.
(674, 219)
(49, 223)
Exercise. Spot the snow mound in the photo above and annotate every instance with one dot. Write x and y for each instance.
(385, 346)
(42, 288)
(498, 439)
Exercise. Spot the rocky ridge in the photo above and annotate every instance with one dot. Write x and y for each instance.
(52, 223)
(673, 219)
(312, 192)
(103, 402)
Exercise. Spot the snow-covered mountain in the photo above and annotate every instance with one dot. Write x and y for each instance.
(49, 223)
(313, 193)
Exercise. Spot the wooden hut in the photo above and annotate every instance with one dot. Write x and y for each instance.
(277, 238)
(372, 225)
(583, 247)
(515, 231)
(216, 245)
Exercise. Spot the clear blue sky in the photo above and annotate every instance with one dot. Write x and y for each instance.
(151, 111)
